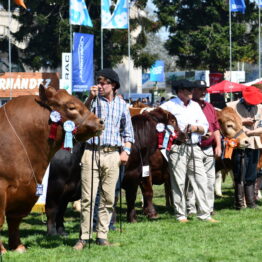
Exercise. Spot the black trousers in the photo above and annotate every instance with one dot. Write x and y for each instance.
(245, 165)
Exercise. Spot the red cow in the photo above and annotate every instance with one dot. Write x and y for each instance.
(26, 149)
(145, 152)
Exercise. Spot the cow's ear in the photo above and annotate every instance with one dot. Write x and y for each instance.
(42, 93)
(46, 94)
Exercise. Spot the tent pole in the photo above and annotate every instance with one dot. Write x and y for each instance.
(230, 48)
(259, 42)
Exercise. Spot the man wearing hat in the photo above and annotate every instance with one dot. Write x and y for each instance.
(110, 150)
(210, 145)
(185, 161)
(250, 110)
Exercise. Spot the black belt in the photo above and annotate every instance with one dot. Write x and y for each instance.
(105, 149)
(192, 144)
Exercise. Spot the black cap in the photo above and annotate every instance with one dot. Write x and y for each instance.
(110, 74)
(181, 84)
(200, 84)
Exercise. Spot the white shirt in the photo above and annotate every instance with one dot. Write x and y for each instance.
(191, 114)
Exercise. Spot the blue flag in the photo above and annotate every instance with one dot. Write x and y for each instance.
(237, 6)
(79, 14)
(157, 72)
(118, 19)
(83, 70)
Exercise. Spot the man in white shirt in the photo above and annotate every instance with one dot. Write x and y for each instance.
(185, 161)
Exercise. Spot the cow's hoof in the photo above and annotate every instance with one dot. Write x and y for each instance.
(20, 249)
(62, 232)
(153, 217)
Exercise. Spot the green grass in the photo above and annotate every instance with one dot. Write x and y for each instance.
(236, 238)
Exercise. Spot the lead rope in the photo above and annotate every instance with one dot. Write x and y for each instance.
(33, 173)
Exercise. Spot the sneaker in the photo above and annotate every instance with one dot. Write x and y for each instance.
(80, 244)
(105, 242)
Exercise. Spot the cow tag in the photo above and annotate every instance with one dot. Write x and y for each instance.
(39, 190)
(145, 171)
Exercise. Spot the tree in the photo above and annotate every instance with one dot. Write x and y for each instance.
(199, 33)
(46, 28)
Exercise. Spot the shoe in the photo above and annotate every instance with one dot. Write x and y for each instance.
(212, 220)
(184, 220)
(80, 244)
(105, 242)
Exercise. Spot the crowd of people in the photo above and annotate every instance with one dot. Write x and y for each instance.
(191, 164)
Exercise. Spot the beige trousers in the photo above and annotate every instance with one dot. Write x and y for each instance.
(182, 167)
(109, 172)
(209, 164)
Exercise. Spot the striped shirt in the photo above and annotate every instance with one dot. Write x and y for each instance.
(117, 119)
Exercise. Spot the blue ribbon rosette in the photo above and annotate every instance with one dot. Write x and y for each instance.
(69, 127)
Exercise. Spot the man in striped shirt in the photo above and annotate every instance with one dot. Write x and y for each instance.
(110, 150)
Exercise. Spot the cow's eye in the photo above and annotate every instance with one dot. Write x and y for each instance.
(72, 108)
(229, 126)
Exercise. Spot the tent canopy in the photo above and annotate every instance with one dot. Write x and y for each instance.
(226, 87)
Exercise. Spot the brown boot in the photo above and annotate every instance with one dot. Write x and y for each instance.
(250, 195)
(239, 196)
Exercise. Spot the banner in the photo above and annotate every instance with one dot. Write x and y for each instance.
(79, 14)
(66, 78)
(118, 19)
(157, 73)
(237, 6)
(83, 71)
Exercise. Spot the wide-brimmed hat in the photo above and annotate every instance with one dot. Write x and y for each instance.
(182, 84)
(200, 84)
(110, 74)
(252, 95)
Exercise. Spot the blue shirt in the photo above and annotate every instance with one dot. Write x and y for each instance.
(117, 119)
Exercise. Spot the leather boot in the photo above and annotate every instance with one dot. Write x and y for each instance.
(239, 196)
(250, 195)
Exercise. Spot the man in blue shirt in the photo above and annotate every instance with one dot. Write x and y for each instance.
(110, 150)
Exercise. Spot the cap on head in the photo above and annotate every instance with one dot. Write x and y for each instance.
(200, 84)
(252, 95)
(182, 84)
(110, 74)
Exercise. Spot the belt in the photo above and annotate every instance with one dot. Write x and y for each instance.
(192, 144)
(105, 149)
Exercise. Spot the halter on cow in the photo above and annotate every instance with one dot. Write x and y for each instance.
(26, 149)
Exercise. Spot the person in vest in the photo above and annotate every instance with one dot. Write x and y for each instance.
(245, 160)
(210, 145)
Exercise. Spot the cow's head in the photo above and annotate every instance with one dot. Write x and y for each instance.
(71, 108)
(231, 126)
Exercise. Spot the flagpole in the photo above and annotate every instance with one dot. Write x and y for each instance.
(230, 47)
(9, 47)
(102, 47)
(259, 43)
(129, 40)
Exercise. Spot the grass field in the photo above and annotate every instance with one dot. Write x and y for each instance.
(238, 237)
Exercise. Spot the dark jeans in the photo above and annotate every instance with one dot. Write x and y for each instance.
(245, 170)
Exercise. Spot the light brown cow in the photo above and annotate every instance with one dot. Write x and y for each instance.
(231, 128)
(26, 150)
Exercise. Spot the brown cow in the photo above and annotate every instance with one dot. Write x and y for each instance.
(26, 150)
(145, 152)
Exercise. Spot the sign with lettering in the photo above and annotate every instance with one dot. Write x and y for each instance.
(16, 84)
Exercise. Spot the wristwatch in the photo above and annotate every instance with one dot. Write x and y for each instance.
(127, 150)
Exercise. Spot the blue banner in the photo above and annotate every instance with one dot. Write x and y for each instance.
(118, 19)
(157, 73)
(79, 14)
(237, 6)
(83, 70)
